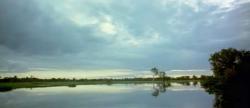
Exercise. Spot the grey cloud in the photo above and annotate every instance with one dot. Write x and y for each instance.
(37, 34)
(28, 29)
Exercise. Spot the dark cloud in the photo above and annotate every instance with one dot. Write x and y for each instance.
(67, 34)
(28, 29)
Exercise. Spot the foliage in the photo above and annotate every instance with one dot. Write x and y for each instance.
(155, 71)
(230, 62)
(160, 74)
(231, 68)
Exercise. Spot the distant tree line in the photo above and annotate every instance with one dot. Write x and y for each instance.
(161, 78)
(157, 76)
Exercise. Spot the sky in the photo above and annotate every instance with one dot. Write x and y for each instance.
(107, 38)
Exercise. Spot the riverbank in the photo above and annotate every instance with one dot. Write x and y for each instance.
(5, 86)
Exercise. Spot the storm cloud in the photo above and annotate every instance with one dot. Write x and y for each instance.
(124, 34)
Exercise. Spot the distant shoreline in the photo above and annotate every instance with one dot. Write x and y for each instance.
(6, 86)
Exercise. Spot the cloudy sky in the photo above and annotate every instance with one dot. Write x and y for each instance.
(117, 37)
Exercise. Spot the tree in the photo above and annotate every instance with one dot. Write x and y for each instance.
(155, 72)
(194, 77)
(230, 62)
(162, 75)
(231, 68)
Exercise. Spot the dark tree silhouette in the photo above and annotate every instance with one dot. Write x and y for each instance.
(230, 84)
(155, 72)
(162, 75)
(224, 62)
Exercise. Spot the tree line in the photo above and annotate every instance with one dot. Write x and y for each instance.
(155, 78)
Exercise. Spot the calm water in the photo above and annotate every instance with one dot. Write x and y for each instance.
(109, 96)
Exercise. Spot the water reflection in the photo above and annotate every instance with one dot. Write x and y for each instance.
(72, 85)
(223, 97)
(160, 88)
(5, 89)
(230, 96)
(174, 95)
